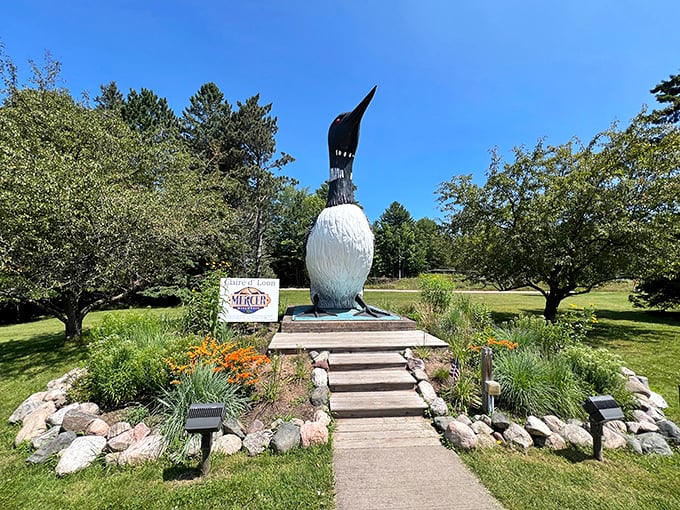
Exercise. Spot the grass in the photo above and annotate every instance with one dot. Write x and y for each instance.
(31, 354)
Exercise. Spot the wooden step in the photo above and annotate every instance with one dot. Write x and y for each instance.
(388, 432)
(290, 343)
(364, 360)
(377, 379)
(376, 403)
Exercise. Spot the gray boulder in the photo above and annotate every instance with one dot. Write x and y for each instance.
(57, 418)
(670, 430)
(420, 375)
(463, 418)
(555, 442)
(657, 400)
(438, 407)
(60, 442)
(415, 364)
(27, 407)
(322, 417)
(45, 437)
(427, 391)
(90, 408)
(654, 443)
(635, 386)
(319, 377)
(80, 454)
(486, 441)
(642, 417)
(232, 426)
(461, 436)
(77, 421)
(500, 421)
(536, 427)
(257, 442)
(613, 440)
(320, 396)
(441, 422)
(634, 444)
(517, 437)
(481, 428)
(553, 422)
(286, 437)
(617, 426)
(577, 436)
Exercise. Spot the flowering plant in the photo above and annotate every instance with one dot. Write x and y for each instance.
(491, 342)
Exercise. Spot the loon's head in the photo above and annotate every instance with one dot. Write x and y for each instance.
(343, 139)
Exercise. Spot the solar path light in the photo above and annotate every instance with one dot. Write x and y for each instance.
(601, 409)
(204, 419)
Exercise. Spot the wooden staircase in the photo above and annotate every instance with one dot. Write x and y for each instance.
(367, 375)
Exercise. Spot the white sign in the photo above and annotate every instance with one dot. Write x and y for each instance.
(249, 300)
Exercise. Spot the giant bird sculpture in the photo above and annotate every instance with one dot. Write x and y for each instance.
(339, 250)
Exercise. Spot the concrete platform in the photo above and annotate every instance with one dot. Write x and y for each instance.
(330, 324)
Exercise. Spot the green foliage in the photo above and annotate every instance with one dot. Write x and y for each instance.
(202, 304)
(563, 219)
(465, 393)
(125, 360)
(441, 375)
(532, 331)
(273, 382)
(435, 291)
(658, 291)
(396, 252)
(525, 386)
(202, 385)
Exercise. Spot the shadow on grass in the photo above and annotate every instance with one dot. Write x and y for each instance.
(37, 353)
(181, 473)
(573, 455)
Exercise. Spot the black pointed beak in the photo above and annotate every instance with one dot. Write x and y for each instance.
(354, 117)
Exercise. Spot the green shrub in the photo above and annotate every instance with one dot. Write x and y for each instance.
(464, 394)
(568, 392)
(125, 361)
(435, 290)
(201, 305)
(598, 368)
(532, 331)
(202, 385)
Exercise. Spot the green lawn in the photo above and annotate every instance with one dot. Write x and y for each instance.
(31, 354)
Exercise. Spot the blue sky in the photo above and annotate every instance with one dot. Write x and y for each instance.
(454, 78)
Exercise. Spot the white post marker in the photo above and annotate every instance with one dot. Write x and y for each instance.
(249, 300)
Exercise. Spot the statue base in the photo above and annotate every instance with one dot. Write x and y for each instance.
(298, 319)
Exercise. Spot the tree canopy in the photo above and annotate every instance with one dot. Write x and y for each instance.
(563, 219)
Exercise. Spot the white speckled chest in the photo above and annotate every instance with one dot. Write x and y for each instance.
(339, 256)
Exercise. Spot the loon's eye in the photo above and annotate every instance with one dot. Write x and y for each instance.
(337, 121)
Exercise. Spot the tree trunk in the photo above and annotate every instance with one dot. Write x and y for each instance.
(73, 316)
(552, 302)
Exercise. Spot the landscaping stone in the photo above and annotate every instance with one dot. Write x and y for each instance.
(118, 428)
(66, 381)
(657, 400)
(125, 439)
(643, 380)
(321, 364)
(80, 454)
(645, 426)
(655, 414)
(232, 426)
(408, 353)
(654, 443)
(275, 424)
(286, 437)
(77, 421)
(320, 396)
(441, 422)
(322, 416)
(89, 407)
(97, 427)
(35, 424)
(256, 426)
(481, 428)
(536, 427)
(45, 437)
(634, 444)
(256, 442)
(486, 441)
(633, 427)
(642, 417)
(463, 418)
(555, 442)
(499, 438)
(147, 450)
(57, 444)
(319, 377)
(228, 444)
(298, 422)
(613, 440)
(313, 432)
(420, 375)
(322, 356)
(553, 422)
(616, 426)
(635, 386)
(58, 396)
(313, 354)
(111, 459)
(486, 419)
(427, 391)
(574, 421)
(438, 407)
(670, 430)
(26, 407)
(627, 372)
(461, 436)
(576, 435)
(518, 437)
(415, 364)
(57, 418)
(500, 421)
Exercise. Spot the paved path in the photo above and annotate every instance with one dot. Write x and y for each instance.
(399, 463)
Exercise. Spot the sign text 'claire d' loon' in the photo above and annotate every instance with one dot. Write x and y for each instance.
(249, 299)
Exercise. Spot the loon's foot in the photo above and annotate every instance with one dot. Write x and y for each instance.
(367, 310)
(317, 311)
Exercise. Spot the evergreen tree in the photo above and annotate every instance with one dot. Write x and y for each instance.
(110, 99)
(667, 92)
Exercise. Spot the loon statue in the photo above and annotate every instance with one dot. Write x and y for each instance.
(339, 250)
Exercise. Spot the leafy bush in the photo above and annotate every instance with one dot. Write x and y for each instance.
(125, 360)
(532, 331)
(598, 368)
(201, 305)
(435, 290)
(201, 385)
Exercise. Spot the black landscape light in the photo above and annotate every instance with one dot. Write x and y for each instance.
(204, 419)
(601, 409)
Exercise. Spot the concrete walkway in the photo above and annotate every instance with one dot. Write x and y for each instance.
(399, 463)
